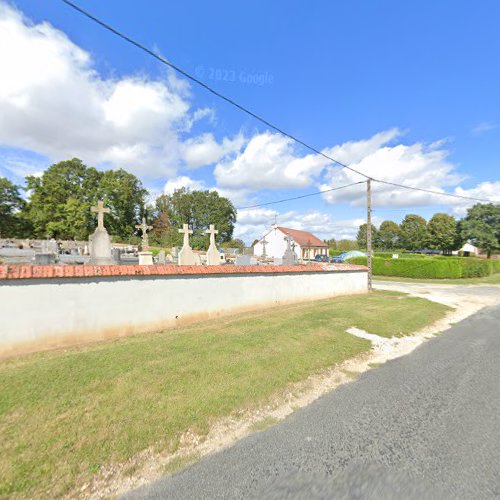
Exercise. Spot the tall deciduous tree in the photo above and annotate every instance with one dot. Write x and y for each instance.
(347, 245)
(481, 226)
(442, 232)
(199, 209)
(413, 232)
(361, 236)
(12, 223)
(61, 199)
(389, 235)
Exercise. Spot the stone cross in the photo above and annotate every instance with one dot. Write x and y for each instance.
(213, 256)
(100, 210)
(289, 255)
(212, 232)
(185, 229)
(264, 243)
(144, 228)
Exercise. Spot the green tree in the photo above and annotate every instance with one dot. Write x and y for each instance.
(413, 232)
(61, 199)
(236, 243)
(347, 245)
(388, 235)
(361, 236)
(199, 209)
(12, 222)
(442, 232)
(481, 226)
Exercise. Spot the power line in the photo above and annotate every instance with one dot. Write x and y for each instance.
(433, 192)
(206, 87)
(299, 197)
(246, 110)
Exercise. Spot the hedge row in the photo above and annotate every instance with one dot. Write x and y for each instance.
(428, 267)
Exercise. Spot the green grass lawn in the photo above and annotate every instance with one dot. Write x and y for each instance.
(494, 279)
(64, 414)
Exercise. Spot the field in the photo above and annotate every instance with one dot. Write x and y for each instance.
(64, 414)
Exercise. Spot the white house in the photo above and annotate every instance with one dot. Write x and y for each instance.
(305, 244)
(469, 249)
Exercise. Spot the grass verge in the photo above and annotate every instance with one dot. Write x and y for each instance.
(65, 414)
(494, 279)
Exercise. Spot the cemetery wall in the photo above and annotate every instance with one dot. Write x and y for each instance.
(52, 306)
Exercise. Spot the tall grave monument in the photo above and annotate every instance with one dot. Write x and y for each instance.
(100, 242)
(289, 257)
(186, 255)
(145, 256)
(213, 256)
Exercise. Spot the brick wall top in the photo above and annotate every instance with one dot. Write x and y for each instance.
(28, 271)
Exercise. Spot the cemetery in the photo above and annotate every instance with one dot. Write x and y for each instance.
(104, 294)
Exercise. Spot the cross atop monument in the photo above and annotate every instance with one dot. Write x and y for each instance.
(100, 210)
(264, 243)
(185, 229)
(212, 232)
(144, 228)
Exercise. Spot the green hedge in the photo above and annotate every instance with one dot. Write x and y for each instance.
(428, 267)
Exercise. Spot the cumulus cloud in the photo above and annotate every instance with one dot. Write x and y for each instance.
(415, 165)
(269, 161)
(53, 101)
(182, 181)
(205, 150)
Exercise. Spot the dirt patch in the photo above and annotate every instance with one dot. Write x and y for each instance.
(149, 465)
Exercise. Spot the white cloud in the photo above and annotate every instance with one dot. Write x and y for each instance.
(269, 161)
(183, 182)
(205, 150)
(53, 101)
(415, 165)
(483, 127)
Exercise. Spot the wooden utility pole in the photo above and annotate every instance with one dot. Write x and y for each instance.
(369, 231)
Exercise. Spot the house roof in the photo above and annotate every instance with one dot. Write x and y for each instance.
(303, 238)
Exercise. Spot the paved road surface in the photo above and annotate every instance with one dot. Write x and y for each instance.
(426, 425)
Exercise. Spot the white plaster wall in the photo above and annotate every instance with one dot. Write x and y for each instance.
(47, 313)
(276, 245)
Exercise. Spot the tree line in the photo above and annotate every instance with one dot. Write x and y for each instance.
(57, 204)
(443, 232)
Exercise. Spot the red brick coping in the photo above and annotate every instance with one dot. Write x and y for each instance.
(28, 271)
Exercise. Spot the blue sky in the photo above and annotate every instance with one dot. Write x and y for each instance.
(406, 91)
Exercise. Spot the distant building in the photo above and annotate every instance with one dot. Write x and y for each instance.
(469, 249)
(305, 244)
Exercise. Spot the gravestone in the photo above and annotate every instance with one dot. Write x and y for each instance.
(289, 257)
(145, 257)
(100, 242)
(49, 252)
(186, 256)
(264, 243)
(245, 260)
(45, 259)
(213, 256)
(161, 258)
(116, 255)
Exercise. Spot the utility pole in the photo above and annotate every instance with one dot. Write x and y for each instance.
(369, 231)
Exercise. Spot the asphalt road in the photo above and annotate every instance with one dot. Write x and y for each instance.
(426, 425)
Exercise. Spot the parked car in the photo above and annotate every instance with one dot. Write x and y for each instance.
(321, 258)
(347, 255)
